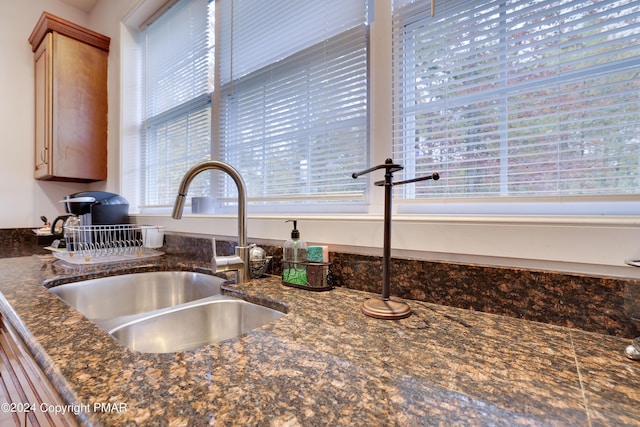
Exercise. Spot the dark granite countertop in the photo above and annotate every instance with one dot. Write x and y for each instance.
(325, 363)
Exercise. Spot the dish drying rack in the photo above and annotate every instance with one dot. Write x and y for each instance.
(96, 244)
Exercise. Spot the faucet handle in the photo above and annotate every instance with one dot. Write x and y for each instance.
(225, 263)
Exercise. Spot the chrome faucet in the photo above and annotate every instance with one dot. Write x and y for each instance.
(240, 261)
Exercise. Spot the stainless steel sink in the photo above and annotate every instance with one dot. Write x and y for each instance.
(192, 326)
(115, 296)
(164, 311)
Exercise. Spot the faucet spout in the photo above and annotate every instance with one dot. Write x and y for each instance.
(242, 250)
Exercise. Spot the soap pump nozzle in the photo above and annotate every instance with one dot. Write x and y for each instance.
(295, 233)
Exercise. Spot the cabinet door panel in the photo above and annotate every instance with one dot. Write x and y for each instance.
(22, 381)
(80, 110)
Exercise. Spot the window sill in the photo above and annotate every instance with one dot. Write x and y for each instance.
(577, 244)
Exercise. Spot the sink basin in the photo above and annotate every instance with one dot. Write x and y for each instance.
(193, 326)
(115, 296)
(164, 311)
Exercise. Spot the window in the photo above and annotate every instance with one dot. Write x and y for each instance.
(293, 98)
(286, 106)
(176, 132)
(517, 98)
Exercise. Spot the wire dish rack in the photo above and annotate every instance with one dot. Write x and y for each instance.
(94, 244)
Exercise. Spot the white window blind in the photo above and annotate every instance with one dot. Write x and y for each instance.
(177, 106)
(293, 97)
(517, 98)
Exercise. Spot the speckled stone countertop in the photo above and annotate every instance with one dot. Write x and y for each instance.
(325, 363)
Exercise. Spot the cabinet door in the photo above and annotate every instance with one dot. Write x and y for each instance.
(79, 110)
(23, 382)
(43, 108)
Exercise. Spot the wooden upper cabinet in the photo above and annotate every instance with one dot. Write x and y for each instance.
(70, 100)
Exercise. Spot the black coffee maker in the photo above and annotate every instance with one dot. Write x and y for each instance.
(92, 208)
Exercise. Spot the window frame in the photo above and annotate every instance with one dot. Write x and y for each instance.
(175, 128)
(614, 204)
(379, 150)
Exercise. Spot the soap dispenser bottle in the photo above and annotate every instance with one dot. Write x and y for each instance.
(294, 258)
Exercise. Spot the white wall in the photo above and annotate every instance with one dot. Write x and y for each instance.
(23, 199)
(591, 245)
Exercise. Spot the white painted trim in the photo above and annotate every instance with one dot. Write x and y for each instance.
(584, 245)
